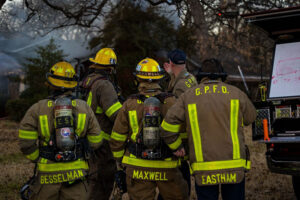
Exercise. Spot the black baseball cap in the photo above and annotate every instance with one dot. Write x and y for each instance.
(177, 56)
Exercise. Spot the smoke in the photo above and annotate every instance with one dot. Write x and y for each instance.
(7, 63)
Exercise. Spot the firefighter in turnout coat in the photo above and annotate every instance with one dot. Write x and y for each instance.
(56, 133)
(136, 141)
(215, 114)
(101, 95)
(181, 80)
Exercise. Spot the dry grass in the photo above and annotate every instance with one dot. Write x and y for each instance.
(260, 182)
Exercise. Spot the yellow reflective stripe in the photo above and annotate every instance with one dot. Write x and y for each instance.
(29, 135)
(95, 138)
(44, 127)
(118, 136)
(43, 160)
(219, 165)
(112, 109)
(89, 99)
(195, 131)
(133, 124)
(183, 135)
(80, 123)
(118, 154)
(248, 165)
(99, 110)
(234, 117)
(33, 155)
(63, 166)
(170, 127)
(150, 163)
(132, 156)
(106, 136)
(73, 103)
(175, 144)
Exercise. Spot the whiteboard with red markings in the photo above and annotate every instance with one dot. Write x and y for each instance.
(285, 80)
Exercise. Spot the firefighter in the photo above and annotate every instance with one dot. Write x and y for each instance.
(101, 95)
(56, 133)
(215, 114)
(136, 141)
(181, 80)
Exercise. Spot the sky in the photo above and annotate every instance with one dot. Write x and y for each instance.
(14, 47)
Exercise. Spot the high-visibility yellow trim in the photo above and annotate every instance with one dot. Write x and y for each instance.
(63, 166)
(219, 165)
(43, 160)
(99, 110)
(150, 163)
(33, 155)
(112, 109)
(44, 127)
(192, 108)
(118, 136)
(170, 127)
(175, 144)
(80, 123)
(118, 154)
(183, 135)
(133, 124)
(29, 135)
(248, 165)
(234, 117)
(89, 99)
(95, 138)
(73, 103)
(106, 136)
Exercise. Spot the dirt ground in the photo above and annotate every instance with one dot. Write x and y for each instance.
(260, 183)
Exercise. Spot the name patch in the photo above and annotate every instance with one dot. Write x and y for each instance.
(219, 178)
(60, 178)
(149, 175)
(211, 89)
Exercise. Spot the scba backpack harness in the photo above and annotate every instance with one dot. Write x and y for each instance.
(149, 144)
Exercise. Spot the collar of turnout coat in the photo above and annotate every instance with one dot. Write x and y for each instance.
(146, 88)
(174, 79)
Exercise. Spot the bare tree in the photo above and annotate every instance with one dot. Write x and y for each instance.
(2, 2)
(222, 33)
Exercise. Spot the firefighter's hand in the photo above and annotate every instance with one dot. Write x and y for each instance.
(180, 152)
(120, 166)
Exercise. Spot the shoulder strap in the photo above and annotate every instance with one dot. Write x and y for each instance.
(92, 83)
(162, 96)
(138, 96)
(86, 89)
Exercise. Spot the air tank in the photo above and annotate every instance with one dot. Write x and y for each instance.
(64, 131)
(151, 122)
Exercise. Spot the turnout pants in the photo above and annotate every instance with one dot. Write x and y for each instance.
(175, 189)
(228, 191)
(59, 191)
(102, 173)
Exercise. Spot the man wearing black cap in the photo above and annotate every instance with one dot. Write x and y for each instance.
(181, 79)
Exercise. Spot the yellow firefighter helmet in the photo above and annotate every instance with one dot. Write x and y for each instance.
(105, 57)
(149, 69)
(62, 75)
